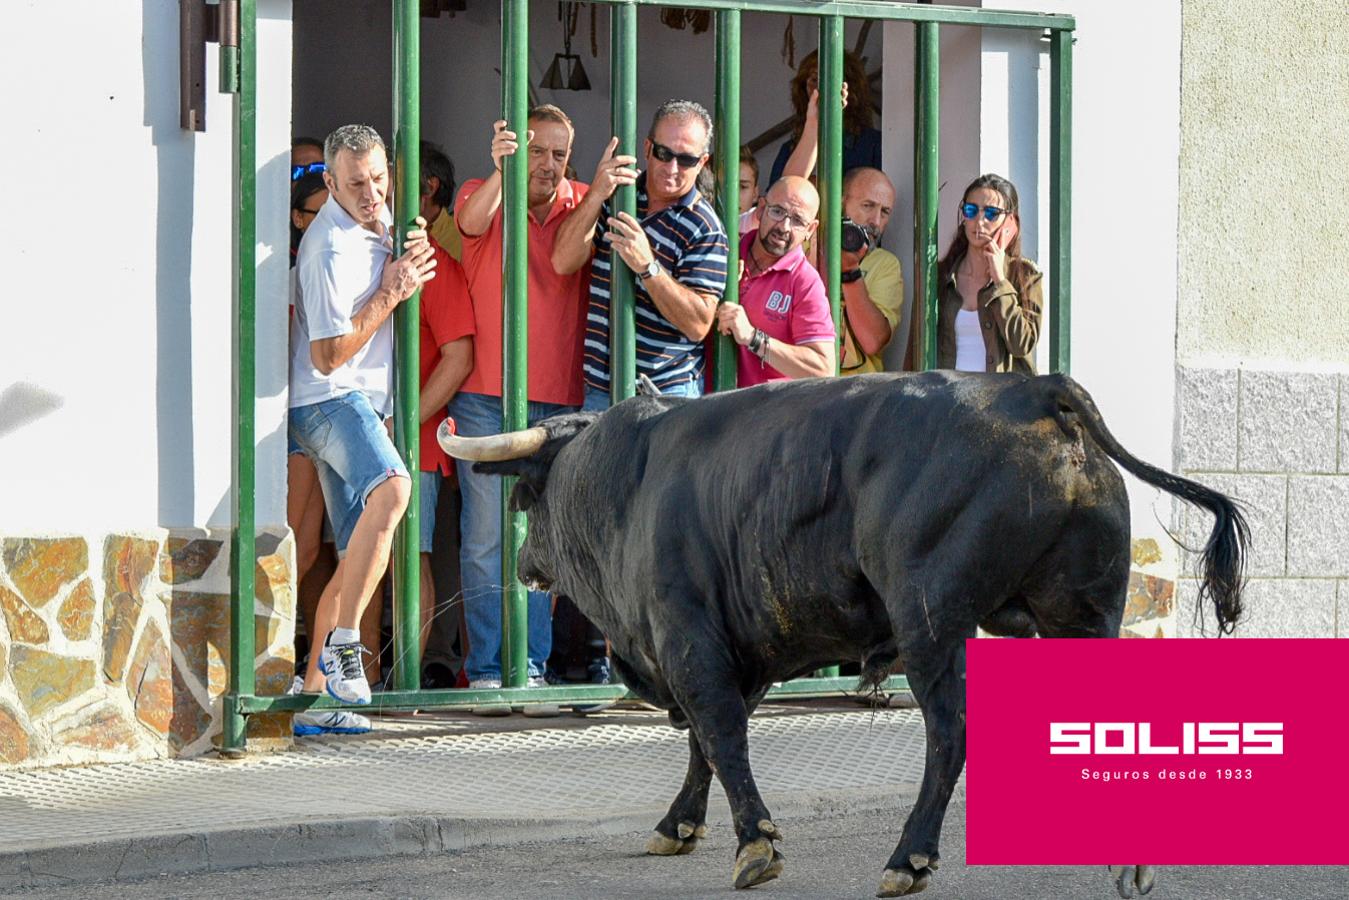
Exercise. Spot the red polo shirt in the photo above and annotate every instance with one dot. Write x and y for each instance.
(557, 304)
(447, 315)
(787, 301)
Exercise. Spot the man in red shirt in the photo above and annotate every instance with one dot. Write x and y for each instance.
(557, 308)
(782, 323)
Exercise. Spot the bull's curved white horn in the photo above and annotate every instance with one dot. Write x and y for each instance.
(495, 447)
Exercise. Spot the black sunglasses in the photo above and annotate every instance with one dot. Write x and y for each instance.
(665, 154)
(298, 172)
(991, 213)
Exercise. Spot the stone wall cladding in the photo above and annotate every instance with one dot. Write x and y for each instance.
(115, 647)
(1282, 453)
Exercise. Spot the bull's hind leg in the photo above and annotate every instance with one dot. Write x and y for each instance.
(686, 822)
(937, 679)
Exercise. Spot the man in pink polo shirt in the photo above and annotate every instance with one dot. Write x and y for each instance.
(782, 323)
(557, 310)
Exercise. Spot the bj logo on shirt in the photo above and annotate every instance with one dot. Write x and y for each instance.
(779, 303)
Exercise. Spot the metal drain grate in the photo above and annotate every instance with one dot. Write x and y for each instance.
(408, 768)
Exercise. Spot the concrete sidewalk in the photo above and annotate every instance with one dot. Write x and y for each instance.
(428, 783)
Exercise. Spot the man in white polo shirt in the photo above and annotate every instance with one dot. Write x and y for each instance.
(340, 375)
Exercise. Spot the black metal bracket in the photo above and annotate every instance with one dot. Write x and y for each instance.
(200, 23)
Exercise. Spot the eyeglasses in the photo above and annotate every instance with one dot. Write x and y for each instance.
(991, 213)
(777, 213)
(665, 154)
(312, 212)
(298, 172)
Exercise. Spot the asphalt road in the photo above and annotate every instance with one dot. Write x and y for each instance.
(826, 858)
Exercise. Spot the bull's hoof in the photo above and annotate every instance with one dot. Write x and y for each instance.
(689, 835)
(756, 863)
(1133, 881)
(905, 881)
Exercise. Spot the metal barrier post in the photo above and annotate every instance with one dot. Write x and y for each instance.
(243, 539)
(623, 110)
(1060, 199)
(407, 418)
(831, 158)
(728, 177)
(927, 62)
(515, 328)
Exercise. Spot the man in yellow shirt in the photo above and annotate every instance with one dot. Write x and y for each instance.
(873, 281)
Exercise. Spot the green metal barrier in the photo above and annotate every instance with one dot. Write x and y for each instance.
(241, 700)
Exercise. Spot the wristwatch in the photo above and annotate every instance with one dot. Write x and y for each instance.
(652, 271)
(850, 276)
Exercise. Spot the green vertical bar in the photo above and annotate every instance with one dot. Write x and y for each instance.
(1060, 200)
(926, 81)
(831, 158)
(515, 330)
(407, 324)
(242, 681)
(728, 176)
(623, 109)
(831, 177)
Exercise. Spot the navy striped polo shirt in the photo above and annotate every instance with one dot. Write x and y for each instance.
(689, 243)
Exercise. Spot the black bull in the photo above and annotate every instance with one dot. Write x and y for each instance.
(750, 537)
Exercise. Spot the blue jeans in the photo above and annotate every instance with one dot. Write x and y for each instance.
(352, 453)
(598, 401)
(428, 496)
(478, 415)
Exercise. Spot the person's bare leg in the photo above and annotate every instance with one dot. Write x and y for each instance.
(372, 624)
(368, 550)
(325, 619)
(428, 601)
(311, 589)
(304, 510)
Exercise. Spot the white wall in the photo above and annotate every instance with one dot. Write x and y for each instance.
(115, 373)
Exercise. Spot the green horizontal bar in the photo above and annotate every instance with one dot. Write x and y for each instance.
(879, 9)
(451, 698)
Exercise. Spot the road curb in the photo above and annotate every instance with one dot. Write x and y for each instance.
(288, 843)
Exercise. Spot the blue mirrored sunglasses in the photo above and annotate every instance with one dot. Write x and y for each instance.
(991, 213)
(298, 172)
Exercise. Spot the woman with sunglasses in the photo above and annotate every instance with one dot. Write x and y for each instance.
(989, 295)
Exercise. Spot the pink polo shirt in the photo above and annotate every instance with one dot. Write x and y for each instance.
(787, 301)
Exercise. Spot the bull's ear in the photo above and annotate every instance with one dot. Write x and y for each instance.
(533, 475)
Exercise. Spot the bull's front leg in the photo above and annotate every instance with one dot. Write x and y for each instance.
(939, 687)
(686, 822)
(719, 719)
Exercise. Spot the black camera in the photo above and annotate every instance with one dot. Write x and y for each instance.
(853, 237)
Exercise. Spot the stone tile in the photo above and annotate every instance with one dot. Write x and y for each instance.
(190, 720)
(45, 680)
(1318, 525)
(101, 727)
(149, 683)
(199, 626)
(76, 615)
(121, 612)
(24, 624)
(273, 584)
(1343, 412)
(187, 559)
(38, 567)
(1208, 419)
(1274, 607)
(1149, 597)
(1287, 422)
(1144, 551)
(1264, 499)
(127, 563)
(13, 738)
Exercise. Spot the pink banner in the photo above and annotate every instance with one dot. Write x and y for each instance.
(1164, 752)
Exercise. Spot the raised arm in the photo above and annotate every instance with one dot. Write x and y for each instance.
(806, 152)
(475, 213)
(576, 234)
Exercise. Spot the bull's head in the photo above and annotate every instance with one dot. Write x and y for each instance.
(528, 455)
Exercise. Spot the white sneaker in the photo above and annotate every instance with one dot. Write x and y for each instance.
(494, 709)
(329, 721)
(540, 710)
(296, 686)
(341, 664)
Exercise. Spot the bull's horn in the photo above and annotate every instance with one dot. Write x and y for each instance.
(512, 445)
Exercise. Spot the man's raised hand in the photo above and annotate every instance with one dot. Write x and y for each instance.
(613, 172)
(504, 143)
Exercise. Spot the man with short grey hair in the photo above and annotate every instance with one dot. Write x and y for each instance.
(674, 251)
(348, 284)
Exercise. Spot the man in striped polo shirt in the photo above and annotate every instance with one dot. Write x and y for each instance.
(675, 252)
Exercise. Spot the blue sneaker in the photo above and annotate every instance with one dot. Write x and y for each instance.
(341, 664)
(330, 721)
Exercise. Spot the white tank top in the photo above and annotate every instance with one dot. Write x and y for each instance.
(970, 353)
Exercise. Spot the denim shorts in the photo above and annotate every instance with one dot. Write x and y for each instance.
(346, 439)
(429, 491)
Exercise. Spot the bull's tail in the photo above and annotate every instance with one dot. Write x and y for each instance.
(1224, 555)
